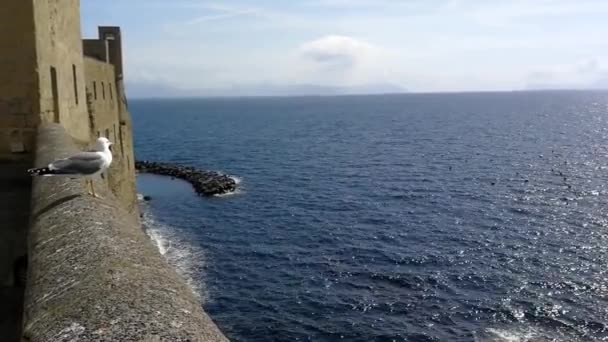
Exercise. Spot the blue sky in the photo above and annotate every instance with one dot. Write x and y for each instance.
(419, 45)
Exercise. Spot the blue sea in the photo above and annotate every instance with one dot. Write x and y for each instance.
(417, 217)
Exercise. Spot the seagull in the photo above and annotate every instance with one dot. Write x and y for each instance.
(84, 164)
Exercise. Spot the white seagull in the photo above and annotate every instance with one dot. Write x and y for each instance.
(84, 164)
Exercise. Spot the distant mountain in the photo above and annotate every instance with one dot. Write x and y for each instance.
(150, 89)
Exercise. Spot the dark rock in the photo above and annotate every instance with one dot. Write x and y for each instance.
(147, 198)
(206, 183)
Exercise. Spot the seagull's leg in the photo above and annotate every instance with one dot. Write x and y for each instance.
(93, 188)
(88, 186)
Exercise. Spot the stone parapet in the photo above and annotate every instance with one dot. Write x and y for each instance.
(93, 274)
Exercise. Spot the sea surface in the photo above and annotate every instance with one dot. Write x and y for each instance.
(422, 217)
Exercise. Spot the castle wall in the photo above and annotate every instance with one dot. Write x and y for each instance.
(60, 66)
(18, 80)
(96, 48)
(92, 273)
(106, 112)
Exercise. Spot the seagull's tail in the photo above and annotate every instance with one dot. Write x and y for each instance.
(43, 171)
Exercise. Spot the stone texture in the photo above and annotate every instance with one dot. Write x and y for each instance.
(18, 78)
(94, 275)
(15, 185)
(59, 45)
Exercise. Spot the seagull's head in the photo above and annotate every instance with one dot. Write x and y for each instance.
(102, 144)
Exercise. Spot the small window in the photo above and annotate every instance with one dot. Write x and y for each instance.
(103, 90)
(122, 147)
(55, 92)
(110, 89)
(98, 134)
(114, 133)
(95, 90)
(107, 133)
(75, 83)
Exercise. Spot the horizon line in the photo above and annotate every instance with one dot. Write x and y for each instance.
(463, 92)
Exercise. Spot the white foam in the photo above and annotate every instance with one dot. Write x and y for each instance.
(160, 242)
(509, 336)
(237, 191)
(185, 257)
(231, 193)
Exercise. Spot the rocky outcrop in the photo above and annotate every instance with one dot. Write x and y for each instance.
(206, 183)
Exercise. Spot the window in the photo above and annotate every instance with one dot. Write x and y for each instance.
(75, 83)
(55, 92)
(98, 134)
(107, 133)
(114, 133)
(95, 90)
(110, 89)
(103, 90)
(122, 147)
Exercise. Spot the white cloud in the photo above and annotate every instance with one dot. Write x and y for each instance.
(342, 60)
(336, 51)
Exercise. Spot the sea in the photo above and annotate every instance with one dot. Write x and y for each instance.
(414, 217)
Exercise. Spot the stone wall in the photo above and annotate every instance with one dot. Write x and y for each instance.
(60, 65)
(94, 275)
(18, 80)
(107, 117)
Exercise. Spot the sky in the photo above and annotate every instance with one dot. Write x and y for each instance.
(411, 45)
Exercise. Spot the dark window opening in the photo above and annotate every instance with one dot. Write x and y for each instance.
(114, 134)
(55, 91)
(108, 133)
(122, 147)
(75, 83)
(98, 134)
(110, 89)
(95, 90)
(103, 90)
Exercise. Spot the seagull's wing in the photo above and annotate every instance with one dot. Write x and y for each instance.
(83, 163)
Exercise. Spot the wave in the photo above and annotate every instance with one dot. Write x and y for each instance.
(186, 258)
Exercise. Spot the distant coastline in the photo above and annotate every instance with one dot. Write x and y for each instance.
(186, 97)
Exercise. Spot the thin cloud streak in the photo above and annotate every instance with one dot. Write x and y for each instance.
(217, 17)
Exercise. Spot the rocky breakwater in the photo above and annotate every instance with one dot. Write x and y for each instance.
(206, 183)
